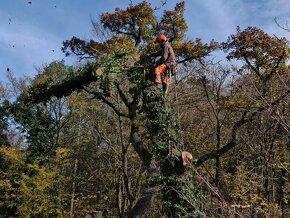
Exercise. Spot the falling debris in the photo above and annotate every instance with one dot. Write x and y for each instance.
(8, 69)
(9, 20)
(13, 46)
(30, 2)
(52, 50)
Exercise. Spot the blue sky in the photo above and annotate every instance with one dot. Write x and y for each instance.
(31, 34)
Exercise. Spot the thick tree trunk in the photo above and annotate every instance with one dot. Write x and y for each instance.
(137, 143)
(144, 202)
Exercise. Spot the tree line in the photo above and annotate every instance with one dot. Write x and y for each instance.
(78, 139)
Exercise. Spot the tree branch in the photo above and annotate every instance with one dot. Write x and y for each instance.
(252, 67)
(276, 66)
(100, 96)
(122, 95)
(217, 153)
(233, 141)
(279, 25)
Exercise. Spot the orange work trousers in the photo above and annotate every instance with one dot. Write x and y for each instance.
(161, 70)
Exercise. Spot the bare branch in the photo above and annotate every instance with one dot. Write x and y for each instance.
(280, 26)
(100, 96)
(163, 3)
(245, 118)
(122, 95)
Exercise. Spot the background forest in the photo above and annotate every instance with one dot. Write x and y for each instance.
(87, 138)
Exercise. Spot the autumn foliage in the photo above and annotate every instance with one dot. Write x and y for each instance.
(81, 139)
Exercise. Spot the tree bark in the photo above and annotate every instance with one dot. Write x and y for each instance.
(144, 202)
(73, 188)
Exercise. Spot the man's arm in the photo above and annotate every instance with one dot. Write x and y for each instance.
(156, 54)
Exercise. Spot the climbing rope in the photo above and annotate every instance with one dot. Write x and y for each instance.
(177, 107)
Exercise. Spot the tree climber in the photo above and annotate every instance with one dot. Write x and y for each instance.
(165, 63)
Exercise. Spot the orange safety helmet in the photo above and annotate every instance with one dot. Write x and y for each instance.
(161, 38)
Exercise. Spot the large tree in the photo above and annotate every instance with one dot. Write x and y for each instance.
(117, 68)
(116, 75)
